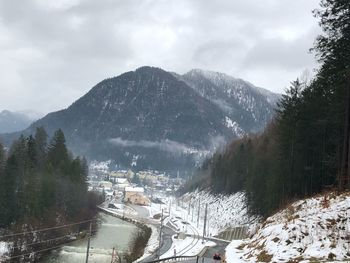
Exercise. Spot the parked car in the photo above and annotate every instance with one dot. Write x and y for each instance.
(111, 205)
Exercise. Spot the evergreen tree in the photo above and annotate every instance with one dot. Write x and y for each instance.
(58, 154)
(41, 146)
(300, 153)
(40, 187)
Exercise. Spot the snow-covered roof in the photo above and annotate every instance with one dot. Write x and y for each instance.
(121, 180)
(105, 183)
(134, 189)
(121, 185)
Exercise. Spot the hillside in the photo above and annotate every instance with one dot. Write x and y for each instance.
(225, 211)
(250, 107)
(313, 229)
(14, 121)
(150, 118)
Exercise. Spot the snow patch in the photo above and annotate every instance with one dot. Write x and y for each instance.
(234, 127)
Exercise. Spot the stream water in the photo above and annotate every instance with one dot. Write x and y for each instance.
(112, 232)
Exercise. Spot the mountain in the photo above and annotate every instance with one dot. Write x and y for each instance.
(248, 106)
(14, 121)
(151, 118)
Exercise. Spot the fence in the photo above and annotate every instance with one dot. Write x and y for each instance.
(234, 233)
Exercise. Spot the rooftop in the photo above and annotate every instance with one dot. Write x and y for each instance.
(134, 189)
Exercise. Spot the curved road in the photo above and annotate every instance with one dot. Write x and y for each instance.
(167, 234)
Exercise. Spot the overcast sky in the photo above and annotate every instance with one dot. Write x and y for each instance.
(54, 51)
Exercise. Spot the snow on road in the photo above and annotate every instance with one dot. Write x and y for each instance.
(187, 247)
(233, 255)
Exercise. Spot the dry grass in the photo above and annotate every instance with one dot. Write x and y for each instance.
(264, 257)
(241, 246)
(276, 239)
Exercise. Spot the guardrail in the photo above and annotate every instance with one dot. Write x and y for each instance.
(175, 259)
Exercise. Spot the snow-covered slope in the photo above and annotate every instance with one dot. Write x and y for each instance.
(4, 249)
(249, 106)
(224, 211)
(311, 230)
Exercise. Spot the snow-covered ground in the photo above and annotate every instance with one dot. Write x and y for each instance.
(100, 166)
(233, 254)
(186, 247)
(3, 249)
(310, 230)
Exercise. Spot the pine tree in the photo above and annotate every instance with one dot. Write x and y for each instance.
(41, 145)
(58, 154)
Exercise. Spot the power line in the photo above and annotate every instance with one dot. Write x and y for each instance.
(48, 240)
(41, 250)
(46, 229)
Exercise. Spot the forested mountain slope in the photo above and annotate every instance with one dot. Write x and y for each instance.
(151, 118)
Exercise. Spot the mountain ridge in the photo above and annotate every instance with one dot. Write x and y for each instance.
(152, 116)
(13, 121)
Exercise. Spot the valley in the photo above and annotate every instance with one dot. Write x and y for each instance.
(175, 131)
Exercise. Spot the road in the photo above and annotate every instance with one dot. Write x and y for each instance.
(219, 248)
(141, 211)
(207, 257)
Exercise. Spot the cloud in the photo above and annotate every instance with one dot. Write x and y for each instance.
(53, 52)
(163, 145)
(280, 53)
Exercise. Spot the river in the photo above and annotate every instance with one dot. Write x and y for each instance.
(112, 232)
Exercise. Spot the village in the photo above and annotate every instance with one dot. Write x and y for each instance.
(129, 187)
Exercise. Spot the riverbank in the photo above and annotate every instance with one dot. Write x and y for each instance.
(153, 241)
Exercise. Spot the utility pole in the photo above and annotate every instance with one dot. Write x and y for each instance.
(199, 211)
(192, 212)
(160, 234)
(205, 221)
(169, 208)
(88, 245)
(208, 218)
(114, 256)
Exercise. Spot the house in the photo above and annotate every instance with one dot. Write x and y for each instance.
(107, 186)
(121, 180)
(135, 195)
(121, 183)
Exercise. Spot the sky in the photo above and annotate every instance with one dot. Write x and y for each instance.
(53, 52)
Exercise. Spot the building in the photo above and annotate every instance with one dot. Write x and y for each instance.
(121, 183)
(135, 195)
(107, 186)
